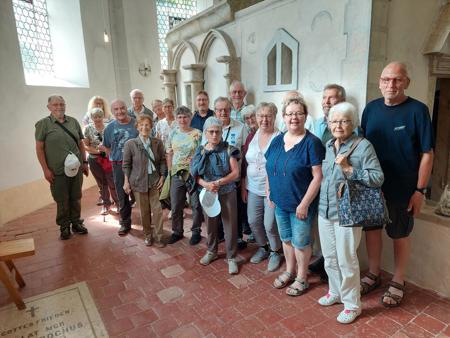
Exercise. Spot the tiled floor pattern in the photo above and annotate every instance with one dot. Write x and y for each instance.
(147, 292)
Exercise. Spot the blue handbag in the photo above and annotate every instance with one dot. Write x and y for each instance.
(360, 205)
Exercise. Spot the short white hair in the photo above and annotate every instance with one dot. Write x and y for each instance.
(347, 109)
(248, 111)
(134, 91)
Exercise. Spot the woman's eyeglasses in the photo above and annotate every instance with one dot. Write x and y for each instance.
(212, 132)
(343, 122)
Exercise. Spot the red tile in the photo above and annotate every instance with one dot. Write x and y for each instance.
(429, 323)
(268, 317)
(119, 326)
(293, 324)
(126, 310)
(143, 318)
(414, 331)
(439, 312)
(384, 324)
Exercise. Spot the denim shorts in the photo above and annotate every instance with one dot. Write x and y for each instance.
(294, 230)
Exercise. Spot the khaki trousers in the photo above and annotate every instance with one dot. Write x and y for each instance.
(149, 203)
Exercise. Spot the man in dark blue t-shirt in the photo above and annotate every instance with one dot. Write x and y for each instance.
(399, 127)
(202, 112)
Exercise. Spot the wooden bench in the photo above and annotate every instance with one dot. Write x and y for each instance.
(8, 251)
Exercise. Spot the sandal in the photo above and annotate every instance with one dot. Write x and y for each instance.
(282, 280)
(297, 291)
(396, 298)
(366, 287)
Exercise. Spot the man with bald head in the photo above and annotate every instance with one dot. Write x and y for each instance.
(116, 134)
(399, 127)
(57, 136)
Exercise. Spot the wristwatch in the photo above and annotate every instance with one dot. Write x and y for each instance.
(423, 191)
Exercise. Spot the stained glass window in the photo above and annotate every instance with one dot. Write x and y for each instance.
(33, 31)
(170, 13)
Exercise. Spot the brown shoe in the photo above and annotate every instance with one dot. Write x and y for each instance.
(160, 245)
(148, 241)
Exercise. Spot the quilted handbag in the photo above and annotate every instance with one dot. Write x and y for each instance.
(358, 204)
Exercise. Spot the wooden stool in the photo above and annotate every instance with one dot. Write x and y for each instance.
(8, 251)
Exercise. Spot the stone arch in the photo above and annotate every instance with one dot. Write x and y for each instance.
(178, 52)
(209, 39)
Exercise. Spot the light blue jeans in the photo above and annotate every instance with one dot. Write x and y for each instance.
(261, 218)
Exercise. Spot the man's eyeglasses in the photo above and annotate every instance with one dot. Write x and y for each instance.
(343, 122)
(387, 80)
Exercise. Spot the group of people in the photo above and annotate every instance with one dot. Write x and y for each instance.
(256, 171)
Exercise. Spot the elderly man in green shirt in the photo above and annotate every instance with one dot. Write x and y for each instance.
(58, 135)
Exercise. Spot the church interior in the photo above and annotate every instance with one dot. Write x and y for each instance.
(173, 49)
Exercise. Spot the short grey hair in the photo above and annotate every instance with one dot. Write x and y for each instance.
(96, 112)
(212, 122)
(183, 110)
(348, 110)
(271, 106)
(248, 111)
(223, 99)
(340, 90)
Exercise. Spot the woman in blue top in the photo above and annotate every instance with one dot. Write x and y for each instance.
(215, 167)
(294, 174)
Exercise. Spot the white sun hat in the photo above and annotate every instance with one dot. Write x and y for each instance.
(71, 165)
(210, 202)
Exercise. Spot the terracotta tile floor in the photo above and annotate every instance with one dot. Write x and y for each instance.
(147, 292)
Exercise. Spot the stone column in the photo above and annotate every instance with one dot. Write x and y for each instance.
(169, 77)
(194, 83)
(233, 66)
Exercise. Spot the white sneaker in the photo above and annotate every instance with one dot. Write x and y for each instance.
(328, 300)
(169, 215)
(348, 316)
(232, 266)
(208, 258)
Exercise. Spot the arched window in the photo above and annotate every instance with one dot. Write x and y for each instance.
(51, 42)
(170, 13)
(280, 64)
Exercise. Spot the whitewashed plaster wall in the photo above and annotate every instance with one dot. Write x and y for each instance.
(406, 25)
(142, 45)
(22, 187)
(333, 38)
(184, 75)
(215, 83)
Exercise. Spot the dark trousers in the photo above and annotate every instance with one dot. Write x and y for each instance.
(177, 200)
(105, 182)
(124, 200)
(66, 192)
(228, 218)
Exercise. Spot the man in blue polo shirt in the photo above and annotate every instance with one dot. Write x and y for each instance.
(203, 112)
(116, 134)
(399, 127)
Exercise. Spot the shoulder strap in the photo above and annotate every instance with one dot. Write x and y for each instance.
(68, 132)
(353, 147)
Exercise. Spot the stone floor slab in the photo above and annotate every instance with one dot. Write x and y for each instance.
(170, 295)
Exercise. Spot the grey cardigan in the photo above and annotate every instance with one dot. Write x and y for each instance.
(366, 169)
(135, 162)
